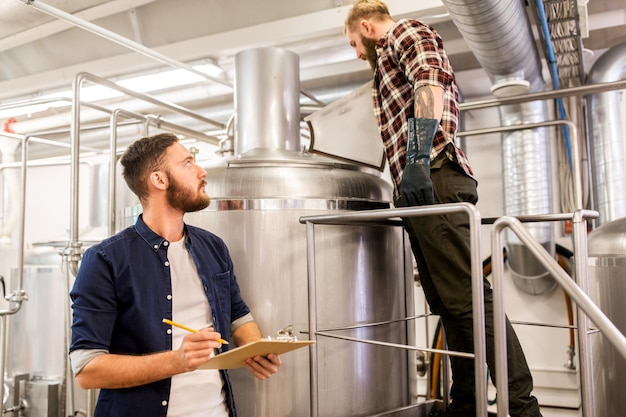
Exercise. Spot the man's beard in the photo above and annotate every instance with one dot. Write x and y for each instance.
(180, 197)
(370, 51)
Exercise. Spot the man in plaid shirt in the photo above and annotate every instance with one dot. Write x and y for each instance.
(416, 102)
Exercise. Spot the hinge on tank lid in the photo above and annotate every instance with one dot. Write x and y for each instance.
(225, 146)
(286, 334)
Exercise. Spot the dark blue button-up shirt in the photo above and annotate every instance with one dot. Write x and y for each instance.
(123, 291)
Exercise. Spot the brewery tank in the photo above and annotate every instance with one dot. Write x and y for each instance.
(364, 272)
(607, 286)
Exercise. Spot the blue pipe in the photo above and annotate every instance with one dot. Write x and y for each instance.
(554, 73)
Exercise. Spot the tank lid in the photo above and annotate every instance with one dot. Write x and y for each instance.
(279, 157)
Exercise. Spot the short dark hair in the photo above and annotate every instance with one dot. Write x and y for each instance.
(142, 158)
(365, 9)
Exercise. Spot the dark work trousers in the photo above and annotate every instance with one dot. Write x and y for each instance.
(441, 246)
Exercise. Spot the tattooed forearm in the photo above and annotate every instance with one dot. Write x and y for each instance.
(424, 103)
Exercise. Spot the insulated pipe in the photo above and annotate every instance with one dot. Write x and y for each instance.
(18, 127)
(575, 150)
(527, 190)
(499, 35)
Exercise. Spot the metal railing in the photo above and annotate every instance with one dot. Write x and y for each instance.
(72, 253)
(361, 217)
(587, 309)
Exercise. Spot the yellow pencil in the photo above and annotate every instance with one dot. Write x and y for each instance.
(189, 329)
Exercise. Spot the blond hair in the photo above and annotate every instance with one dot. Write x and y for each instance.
(365, 9)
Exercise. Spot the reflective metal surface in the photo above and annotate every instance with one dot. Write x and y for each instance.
(527, 191)
(330, 137)
(358, 266)
(267, 107)
(607, 286)
(33, 328)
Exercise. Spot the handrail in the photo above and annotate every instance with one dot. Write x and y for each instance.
(576, 172)
(582, 90)
(579, 235)
(477, 285)
(577, 295)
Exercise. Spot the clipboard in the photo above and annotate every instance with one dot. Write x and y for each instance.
(234, 358)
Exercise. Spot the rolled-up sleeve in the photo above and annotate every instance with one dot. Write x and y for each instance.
(422, 60)
(93, 304)
(81, 357)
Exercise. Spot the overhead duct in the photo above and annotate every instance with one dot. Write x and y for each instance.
(499, 34)
(606, 146)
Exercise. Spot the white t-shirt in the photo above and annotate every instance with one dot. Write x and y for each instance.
(198, 393)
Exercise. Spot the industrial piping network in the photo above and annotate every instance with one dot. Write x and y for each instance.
(73, 251)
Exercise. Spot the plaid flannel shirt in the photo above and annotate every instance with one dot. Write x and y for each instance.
(411, 55)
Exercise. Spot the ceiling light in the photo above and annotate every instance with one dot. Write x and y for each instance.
(143, 84)
(22, 110)
(510, 85)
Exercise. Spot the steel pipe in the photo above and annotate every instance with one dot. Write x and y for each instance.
(544, 95)
(578, 194)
